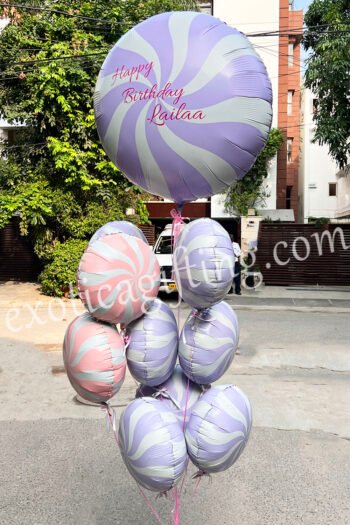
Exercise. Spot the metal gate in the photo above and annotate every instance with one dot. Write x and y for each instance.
(17, 259)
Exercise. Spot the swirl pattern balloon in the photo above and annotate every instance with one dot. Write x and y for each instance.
(178, 393)
(152, 444)
(94, 358)
(183, 105)
(219, 428)
(117, 276)
(208, 343)
(119, 227)
(203, 263)
(152, 345)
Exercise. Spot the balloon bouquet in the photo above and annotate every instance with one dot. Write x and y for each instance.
(183, 108)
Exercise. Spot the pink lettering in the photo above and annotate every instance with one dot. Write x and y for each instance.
(160, 116)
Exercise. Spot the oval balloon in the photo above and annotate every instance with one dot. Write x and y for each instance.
(152, 346)
(183, 105)
(203, 263)
(208, 343)
(178, 393)
(152, 444)
(94, 358)
(119, 227)
(219, 428)
(117, 276)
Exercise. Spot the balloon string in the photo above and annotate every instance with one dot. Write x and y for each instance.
(150, 506)
(186, 405)
(176, 510)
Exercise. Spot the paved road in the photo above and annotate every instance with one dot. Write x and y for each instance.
(58, 465)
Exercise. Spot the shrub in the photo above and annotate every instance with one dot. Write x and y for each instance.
(59, 276)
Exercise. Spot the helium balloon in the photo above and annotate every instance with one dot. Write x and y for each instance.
(152, 444)
(152, 345)
(208, 343)
(119, 227)
(219, 428)
(183, 105)
(94, 358)
(203, 263)
(117, 276)
(178, 393)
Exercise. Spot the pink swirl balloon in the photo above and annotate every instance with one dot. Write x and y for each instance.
(118, 275)
(94, 358)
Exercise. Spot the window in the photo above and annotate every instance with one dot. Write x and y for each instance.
(332, 191)
(290, 102)
(290, 54)
(289, 197)
(289, 150)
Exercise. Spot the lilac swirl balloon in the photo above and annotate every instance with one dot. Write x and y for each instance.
(203, 263)
(178, 393)
(152, 444)
(183, 105)
(208, 343)
(152, 347)
(219, 428)
(118, 227)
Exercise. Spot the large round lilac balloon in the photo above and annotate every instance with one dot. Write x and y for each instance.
(183, 105)
(219, 428)
(152, 444)
(178, 393)
(203, 263)
(118, 227)
(152, 346)
(208, 343)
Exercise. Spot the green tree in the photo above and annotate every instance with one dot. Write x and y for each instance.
(244, 194)
(327, 39)
(56, 175)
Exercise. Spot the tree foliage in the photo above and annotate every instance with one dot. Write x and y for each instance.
(244, 194)
(327, 38)
(56, 174)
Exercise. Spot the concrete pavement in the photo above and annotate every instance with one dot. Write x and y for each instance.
(58, 465)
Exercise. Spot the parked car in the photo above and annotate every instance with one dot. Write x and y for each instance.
(163, 251)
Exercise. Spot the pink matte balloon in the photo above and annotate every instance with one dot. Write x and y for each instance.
(118, 275)
(94, 357)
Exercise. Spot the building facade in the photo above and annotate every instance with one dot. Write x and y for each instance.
(318, 181)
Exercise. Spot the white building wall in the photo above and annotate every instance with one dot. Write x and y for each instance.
(252, 16)
(317, 169)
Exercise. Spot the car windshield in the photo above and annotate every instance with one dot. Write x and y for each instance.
(164, 246)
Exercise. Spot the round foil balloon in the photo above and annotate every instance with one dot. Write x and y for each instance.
(183, 105)
(219, 428)
(94, 358)
(178, 393)
(117, 276)
(152, 444)
(208, 343)
(119, 227)
(152, 345)
(203, 263)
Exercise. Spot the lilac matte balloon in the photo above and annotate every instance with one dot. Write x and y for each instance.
(152, 348)
(152, 444)
(183, 105)
(178, 393)
(219, 428)
(208, 343)
(203, 263)
(118, 227)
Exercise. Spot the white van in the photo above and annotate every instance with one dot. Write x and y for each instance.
(163, 251)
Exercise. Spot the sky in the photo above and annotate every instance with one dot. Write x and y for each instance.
(302, 4)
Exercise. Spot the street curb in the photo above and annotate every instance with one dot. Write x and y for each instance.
(303, 309)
